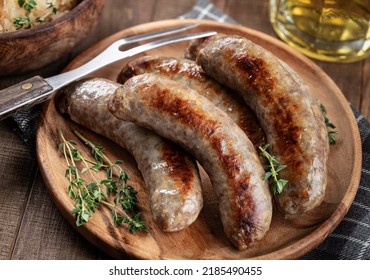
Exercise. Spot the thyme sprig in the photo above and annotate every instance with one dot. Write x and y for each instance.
(78, 189)
(88, 196)
(272, 171)
(125, 195)
(329, 125)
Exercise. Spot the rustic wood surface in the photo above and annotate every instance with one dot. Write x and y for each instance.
(31, 227)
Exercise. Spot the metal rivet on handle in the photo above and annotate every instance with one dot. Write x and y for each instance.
(27, 86)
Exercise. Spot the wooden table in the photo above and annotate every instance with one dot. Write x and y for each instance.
(30, 225)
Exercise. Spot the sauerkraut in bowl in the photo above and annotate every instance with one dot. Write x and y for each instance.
(25, 14)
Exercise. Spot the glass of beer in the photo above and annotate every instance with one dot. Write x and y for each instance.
(329, 30)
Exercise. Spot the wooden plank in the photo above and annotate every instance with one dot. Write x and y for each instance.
(118, 15)
(17, 169)
(169, 9)
(45, 234)
(365, 89)
(252, 14)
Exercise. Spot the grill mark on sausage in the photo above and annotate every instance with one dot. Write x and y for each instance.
(255, 68)
(246, 206)
(179, 108)
(282, 112)
(249, 124)
(181, 169)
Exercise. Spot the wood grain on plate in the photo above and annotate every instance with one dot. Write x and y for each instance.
(205, 238)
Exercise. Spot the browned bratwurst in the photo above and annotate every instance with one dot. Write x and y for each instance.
(182, 115)
(289, 115)
(187, 72)
(169, 172)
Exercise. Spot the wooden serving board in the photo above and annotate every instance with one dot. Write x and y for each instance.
(205, 238)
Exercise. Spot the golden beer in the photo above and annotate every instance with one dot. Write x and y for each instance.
(329, 30)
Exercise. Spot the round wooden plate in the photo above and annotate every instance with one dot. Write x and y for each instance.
(205, 238)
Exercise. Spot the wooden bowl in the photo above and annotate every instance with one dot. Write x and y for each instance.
(31, 49)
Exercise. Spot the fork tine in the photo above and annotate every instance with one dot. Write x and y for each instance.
(165, 41)
(159, 33)
(113, 53)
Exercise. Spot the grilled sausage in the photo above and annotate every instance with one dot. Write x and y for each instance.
(192, 51)
(170, 174)
(190, 74)
(289, 115)
(182, 115)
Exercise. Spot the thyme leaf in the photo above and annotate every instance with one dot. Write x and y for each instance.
(28, 5)
(272, 171)
(329, 125)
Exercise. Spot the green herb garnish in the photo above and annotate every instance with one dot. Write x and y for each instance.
(272, 171)
(88, 196)
(28, 5)
(329, 125)
(23, 21)
(40, 19)
(53, 7)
